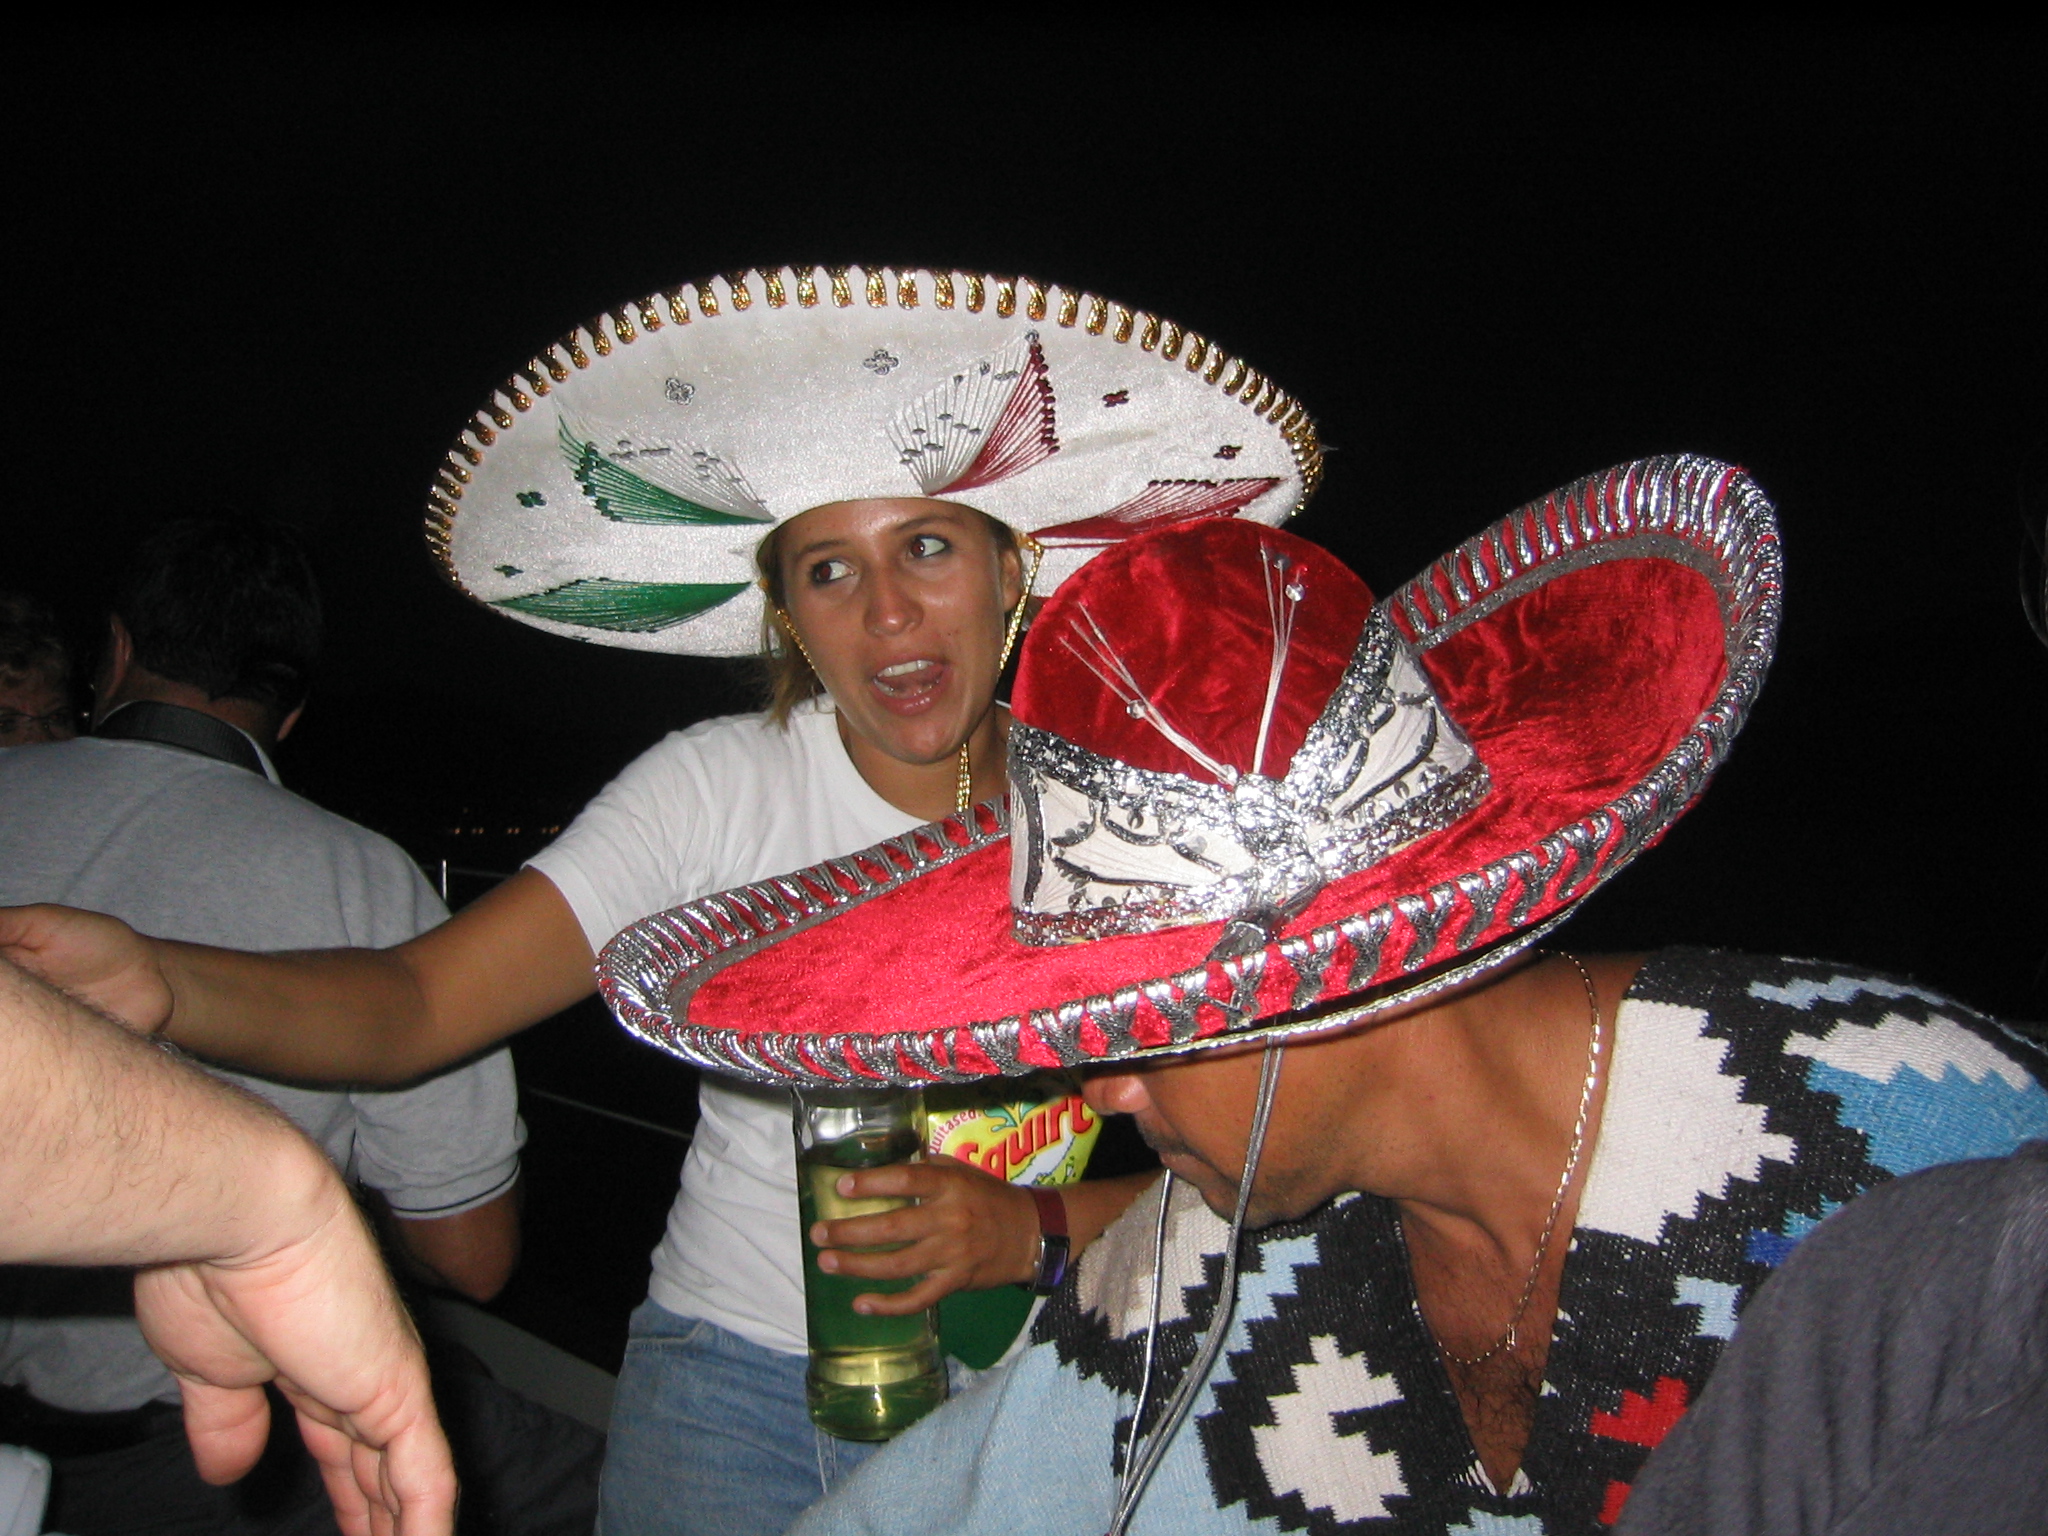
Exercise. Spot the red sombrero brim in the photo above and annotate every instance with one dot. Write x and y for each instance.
(1598, 648)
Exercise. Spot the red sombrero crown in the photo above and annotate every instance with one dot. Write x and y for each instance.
(1271, 805)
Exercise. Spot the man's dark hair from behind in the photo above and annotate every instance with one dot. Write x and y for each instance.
(228, 607)
(31, 645)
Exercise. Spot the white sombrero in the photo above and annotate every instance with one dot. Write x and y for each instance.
(614, 488)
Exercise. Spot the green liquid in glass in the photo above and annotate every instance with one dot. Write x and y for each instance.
(870, 1378)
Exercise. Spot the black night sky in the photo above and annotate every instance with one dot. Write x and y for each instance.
(275, 273)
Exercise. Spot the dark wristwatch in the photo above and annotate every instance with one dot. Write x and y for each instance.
(1053, 1242)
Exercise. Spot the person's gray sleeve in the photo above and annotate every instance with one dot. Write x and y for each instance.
(443, 1146)
(450, 1143)
(1892, 1376)
(382, 897)
(980, 1463)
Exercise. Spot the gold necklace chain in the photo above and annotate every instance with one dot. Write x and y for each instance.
(1509, 1341)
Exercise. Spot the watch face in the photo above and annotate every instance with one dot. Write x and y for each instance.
(1052, 1263)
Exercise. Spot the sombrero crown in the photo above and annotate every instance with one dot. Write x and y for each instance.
(614, 488)
(1272, 805)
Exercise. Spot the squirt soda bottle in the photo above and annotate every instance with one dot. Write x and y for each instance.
(1033, 1130)
(870, 1378)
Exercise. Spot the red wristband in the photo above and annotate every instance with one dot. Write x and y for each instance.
(1052, 1210)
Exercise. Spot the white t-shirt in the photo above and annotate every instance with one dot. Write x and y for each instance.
(718, 805)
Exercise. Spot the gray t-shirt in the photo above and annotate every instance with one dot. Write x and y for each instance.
(180, 846)
(1893, 1376)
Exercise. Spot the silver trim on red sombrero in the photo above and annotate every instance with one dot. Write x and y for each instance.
(1170, 850)
(647, 969)
(1706, 514)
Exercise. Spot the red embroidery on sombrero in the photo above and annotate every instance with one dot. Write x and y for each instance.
(1024, 432)
(1162, 504)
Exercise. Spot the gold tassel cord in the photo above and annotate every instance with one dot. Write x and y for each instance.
(963, 786)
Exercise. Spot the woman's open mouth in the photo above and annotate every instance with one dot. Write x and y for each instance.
(909, 679)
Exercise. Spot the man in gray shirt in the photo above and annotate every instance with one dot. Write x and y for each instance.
(1893, 1376)
(170, 816)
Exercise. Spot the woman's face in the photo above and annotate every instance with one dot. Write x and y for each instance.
(902, 605)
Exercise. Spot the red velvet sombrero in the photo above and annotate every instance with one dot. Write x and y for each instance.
(1247, 800)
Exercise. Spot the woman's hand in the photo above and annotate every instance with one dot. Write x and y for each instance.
(969, 1231)
(95, 958)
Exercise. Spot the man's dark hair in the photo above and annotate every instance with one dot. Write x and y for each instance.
(31, 645)
(227, 607)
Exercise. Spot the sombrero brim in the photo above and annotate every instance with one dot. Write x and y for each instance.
(615, 488)
(1600, 648)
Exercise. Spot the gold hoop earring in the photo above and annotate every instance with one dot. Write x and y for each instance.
(1016, 626)
(963, 787)
(795, 639)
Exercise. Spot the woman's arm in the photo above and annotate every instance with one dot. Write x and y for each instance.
(970, 1231)
(509, 960)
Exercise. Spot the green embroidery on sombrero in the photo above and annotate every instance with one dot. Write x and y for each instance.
(633, 607)
(625, 497)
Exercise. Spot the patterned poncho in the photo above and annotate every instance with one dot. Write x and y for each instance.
(1747, 1098)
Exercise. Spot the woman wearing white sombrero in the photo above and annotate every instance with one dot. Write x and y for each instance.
(889, 458)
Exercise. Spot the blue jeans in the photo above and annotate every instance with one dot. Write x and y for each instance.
(710, 1435)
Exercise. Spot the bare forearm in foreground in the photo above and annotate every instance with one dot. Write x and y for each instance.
(256, 1266)
(115, 1154)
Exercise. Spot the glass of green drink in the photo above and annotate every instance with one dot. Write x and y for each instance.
(870, 1378)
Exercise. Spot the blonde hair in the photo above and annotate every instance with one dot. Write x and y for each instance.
(786, 677)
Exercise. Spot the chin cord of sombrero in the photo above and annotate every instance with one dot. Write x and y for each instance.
(1456, 920)
(1142, 1458)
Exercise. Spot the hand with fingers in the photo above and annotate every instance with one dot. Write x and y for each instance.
(318, 1316)
(97, 959)
(968, 1231)
(253, 1264)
